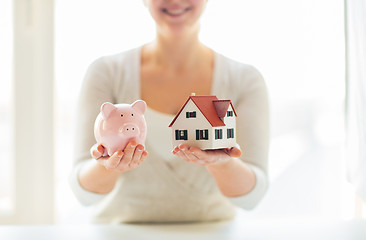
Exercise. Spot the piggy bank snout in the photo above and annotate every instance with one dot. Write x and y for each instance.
(130, 129)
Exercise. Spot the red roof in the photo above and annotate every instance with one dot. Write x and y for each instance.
(212, 108)
(221, 107)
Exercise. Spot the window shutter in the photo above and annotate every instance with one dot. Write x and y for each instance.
(185, 134)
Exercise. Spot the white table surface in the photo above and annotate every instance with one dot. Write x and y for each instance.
(257, 229)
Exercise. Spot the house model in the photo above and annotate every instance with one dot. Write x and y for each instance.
(205, 122)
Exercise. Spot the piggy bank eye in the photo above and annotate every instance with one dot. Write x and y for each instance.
(121, 115)
(132, 114)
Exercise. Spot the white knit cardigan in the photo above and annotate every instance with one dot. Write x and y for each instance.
(165, 188)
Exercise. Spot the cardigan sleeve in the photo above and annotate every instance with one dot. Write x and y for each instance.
(85, 197)
(96, 89)
(252, 109)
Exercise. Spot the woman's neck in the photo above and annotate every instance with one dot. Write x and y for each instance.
(177, 53)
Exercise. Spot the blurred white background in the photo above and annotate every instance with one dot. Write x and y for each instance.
(298, 45)
(6, 45)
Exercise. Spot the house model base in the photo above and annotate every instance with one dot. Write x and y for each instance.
(205, 122)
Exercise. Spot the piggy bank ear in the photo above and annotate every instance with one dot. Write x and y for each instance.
(106, 109)
(139, 105)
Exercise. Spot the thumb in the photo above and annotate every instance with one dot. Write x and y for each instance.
(235, 152)
(97, 151)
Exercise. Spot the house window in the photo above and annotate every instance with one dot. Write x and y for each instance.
(202, 134)
(230, 113)
(191, 114)
(218, 133)
(181, 135)
(230, 133)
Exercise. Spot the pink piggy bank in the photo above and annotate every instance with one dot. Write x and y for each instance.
(118, 124)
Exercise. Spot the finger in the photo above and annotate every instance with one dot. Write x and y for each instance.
(199, 153)
(114, 160)
(175, 150)
(185, 150)
(101, 148)
(128, 154)
(234, 152)
(194, 159)
(143, 157)
(182, 155)
(206, 156)
(182, 146)
(122, 167)
(136, 156)
(102, 161)
(130, 149)
(96, 151)
(109, 162)
(189, 156)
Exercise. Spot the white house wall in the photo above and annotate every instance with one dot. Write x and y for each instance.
(201, 123)
(191, 124)
(224, 142)
(230, 122)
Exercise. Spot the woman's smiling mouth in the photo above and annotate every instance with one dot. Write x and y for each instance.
(174, 12)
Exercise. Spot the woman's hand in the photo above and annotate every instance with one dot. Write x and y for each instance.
(131, 157)
(216, 157)
(233, 177)
(101, 176)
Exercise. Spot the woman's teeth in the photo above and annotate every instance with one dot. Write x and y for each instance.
(175, 12)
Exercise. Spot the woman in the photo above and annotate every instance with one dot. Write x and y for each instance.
(184, 183)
